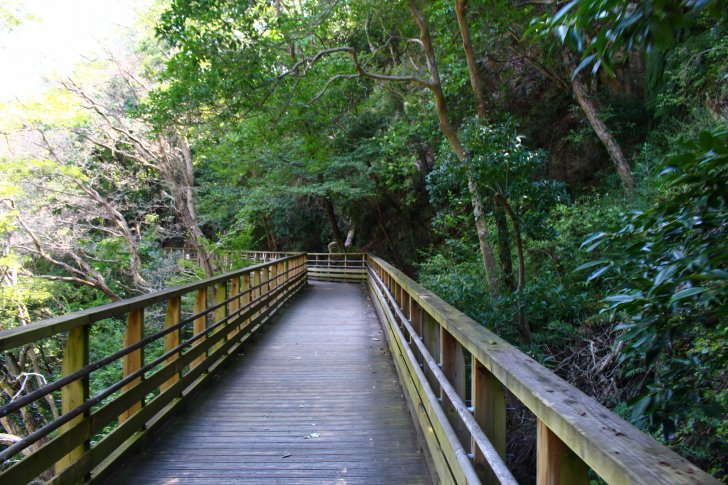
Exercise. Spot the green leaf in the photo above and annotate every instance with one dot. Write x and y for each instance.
(591, 264)
(592, 237)
(686, 293)
(598, 272)
(638, 409)
(563, 11)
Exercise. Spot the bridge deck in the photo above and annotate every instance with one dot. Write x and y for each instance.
(315, 399)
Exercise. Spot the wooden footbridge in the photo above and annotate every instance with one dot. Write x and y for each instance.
(308, 368)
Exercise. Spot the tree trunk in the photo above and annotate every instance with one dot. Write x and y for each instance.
(504, 249)
(333, 223)
(449, 131)
(350, 236)
(269, 236)
(523, 327)
(615, 152)
(184, 185)
(461, 7)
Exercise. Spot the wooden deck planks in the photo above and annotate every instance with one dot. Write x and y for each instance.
(315, 399)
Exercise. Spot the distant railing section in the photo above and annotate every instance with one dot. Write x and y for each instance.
(436, 347)
(322, 266)
(78, 445)
(227, 260)
(344, 267)
(261, 256)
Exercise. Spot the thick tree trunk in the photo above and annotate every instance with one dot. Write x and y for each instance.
(461, 7)
(181, 179)
(333, 223)
(610, 143)
(350, 236)
(449, 131)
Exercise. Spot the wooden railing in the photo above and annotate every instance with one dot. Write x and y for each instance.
(78, 445)
(261, 256)
(436, 351)
(436, 348)
(337, 266)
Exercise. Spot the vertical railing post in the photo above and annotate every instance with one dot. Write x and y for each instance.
(221, 311)
(556, 464)
(489, 405)
(134, 360)
(431, 339)
(256, 292)
(75, 358)
(199, 325)
(265, 287)
(172, 339)
(453, 366)
(245, 298)
(273, 277)
(416, 322)
(234, 305)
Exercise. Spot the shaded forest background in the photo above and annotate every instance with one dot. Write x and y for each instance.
(555, 171)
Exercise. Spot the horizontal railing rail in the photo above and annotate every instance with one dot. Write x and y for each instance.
(71, 447)
(337, 266)
(431, 340)
(261, 256)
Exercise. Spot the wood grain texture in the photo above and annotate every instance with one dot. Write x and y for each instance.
(617, 451)
(313, 399)
(133, 361)
(75, 357)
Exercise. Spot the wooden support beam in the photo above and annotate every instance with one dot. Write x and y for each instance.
(133, 361)
(75, 358)
(489, 403)
(453, 366)
(172, 339)
(234, 305)
(199, 325)
(273, 281)
(416, 322)
(221, 312)
(431, 338)
(257, 291)
(556, 464)
(245, 298)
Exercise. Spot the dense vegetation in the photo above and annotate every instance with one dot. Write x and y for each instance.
(558, 173)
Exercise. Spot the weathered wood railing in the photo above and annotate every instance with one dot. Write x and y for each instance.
(70, 448)
(337, 266)
(263, 256)
(432, 342)
(436, 350)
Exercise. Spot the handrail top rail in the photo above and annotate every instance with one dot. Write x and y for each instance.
(17, 336)
(359, 253)
(616, 450)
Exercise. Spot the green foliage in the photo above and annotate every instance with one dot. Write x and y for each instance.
(668, 267)
(603, 30)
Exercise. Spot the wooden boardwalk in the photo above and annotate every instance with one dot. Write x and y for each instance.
(314, 399)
